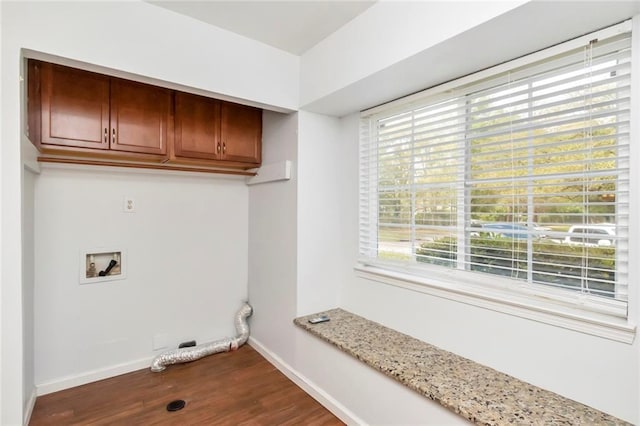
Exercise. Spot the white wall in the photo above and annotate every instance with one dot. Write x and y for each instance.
(320, 266)
(362, 395)
(28, 290)
(11, 344)
(384, 35)
(145, 40)
(398, 48)
(273, 240)
(1, 223)
(186, 247)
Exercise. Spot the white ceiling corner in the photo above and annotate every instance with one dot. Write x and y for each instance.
(292, 26)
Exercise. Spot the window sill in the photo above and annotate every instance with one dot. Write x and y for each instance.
(520, 305)
(478, 393)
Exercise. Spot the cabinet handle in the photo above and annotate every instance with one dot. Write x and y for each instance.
(106, 135)
(113, 135)
(218, 148)
(224, 148)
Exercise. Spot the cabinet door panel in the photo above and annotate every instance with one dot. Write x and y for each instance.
(75, 107)
(241, 133)
(197, 127)
(139, 117)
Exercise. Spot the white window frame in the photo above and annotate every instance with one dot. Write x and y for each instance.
(502, 295)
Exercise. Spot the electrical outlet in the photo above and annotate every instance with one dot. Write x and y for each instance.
(129, 205)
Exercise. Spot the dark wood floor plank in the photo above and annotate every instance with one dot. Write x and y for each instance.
(234, 388)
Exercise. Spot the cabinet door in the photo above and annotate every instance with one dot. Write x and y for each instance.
(197, 127)
(241, 133)
(139, 117)
(74, 107)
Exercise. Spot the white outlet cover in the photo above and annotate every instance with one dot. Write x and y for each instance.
(128, 205)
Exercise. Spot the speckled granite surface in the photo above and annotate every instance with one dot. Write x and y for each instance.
(478, 393)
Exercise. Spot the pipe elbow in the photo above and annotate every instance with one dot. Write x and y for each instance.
(156, 365)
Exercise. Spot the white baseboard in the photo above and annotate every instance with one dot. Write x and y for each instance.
(330, 403)
(92, 376)
(28, 409)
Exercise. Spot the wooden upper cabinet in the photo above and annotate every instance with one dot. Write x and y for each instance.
(74, 107)
(197, 127)
(209, 129)
(140, 117)
(79, 113)
(241, 133)
(71, 108)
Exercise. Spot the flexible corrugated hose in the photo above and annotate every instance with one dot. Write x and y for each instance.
(179, 356)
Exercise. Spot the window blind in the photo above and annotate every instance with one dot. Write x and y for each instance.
(519, 173)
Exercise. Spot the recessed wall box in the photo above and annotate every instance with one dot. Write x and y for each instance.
(102, 264)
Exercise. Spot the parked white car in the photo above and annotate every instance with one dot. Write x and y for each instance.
(592, 235)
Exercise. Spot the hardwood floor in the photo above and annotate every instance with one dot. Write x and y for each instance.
(233, 388)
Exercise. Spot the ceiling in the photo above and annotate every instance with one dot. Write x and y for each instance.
(293, 26)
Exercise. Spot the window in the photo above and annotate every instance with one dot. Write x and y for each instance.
(514, 178)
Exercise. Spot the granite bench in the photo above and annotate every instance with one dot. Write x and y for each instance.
(476, 392)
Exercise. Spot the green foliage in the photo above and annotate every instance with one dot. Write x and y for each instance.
(552, 263)
(412, 169)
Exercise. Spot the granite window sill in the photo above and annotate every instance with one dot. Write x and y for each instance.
(477, 393)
